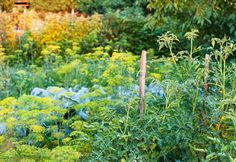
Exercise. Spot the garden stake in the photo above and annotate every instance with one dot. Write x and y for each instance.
(207, 61)
(142, 81)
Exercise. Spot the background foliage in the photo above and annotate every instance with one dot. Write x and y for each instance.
(208, 16)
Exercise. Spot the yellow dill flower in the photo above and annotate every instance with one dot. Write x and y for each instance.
(54, 48)
(45, 52)
(5, 111)
(37, 129)
(30, 39)
(40, 138)
(1, 140)
(57, 135)
(21, 72)
(66, 140)
(11, 119)
(68, 68)
(8, 103)
(26, 46)
(130, 70)
(155, 75)
(95, 80)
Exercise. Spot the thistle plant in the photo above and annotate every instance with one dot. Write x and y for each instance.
(221, 55)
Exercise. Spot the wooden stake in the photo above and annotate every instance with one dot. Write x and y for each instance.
(142, 81)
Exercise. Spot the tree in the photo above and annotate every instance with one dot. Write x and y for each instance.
(211, 17)
(6, 5)
(124, 23)
(104, 6)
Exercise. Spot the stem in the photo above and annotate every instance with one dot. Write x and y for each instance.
(172, 55)
(167, 102)
(191, 50)
(127, 120)
(224, 78)
(195, 99)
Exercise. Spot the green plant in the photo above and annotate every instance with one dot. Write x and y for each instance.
(168, 40)
(191, 36)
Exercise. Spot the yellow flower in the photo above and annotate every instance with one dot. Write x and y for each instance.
(21, 72)
(107, 48)
(70, 52)
(45, 52)
(130, 70)
(68, 68)
(57, 135)
(123, 160)
(75, 81)
(8, 103)
(40, 138)
(30, 39)
(54, 48)
(37, 129)
(155, 75)
(66, 140)
(2, 49)
(5, 111)
(1, 140)
(26, 46)
(95, 80)
(11, 119)
(11, 122)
